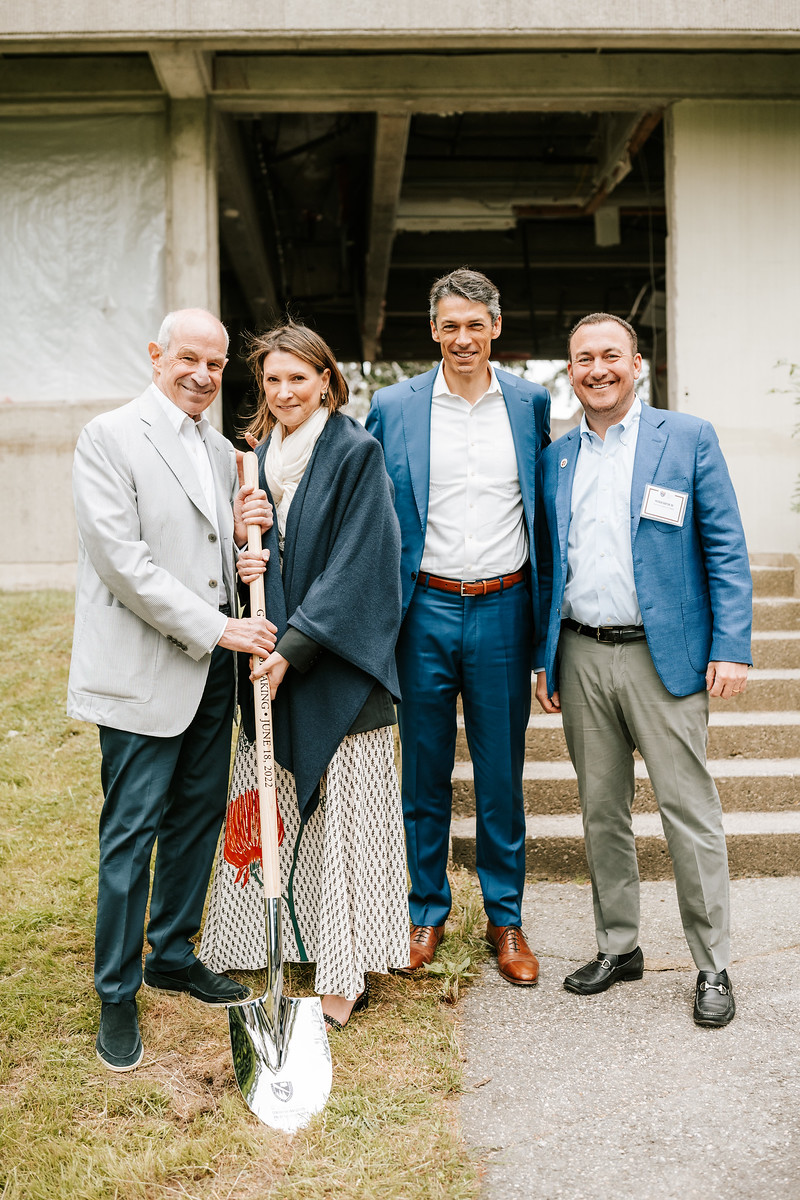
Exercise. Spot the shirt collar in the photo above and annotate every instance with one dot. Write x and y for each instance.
(625, 426)
(177, 417)
(440, 387)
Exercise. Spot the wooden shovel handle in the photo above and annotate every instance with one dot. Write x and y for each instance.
(265, 755)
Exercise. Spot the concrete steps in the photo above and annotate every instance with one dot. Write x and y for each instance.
(758, 844)
(776, 613)
(775, 650)
(754, 757)
(748, 734)
(744, 785)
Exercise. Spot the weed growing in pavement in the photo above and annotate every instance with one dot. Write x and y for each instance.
(70, 1130)
(464, 946)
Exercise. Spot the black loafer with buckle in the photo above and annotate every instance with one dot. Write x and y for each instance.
(606, 969)
(713, 999)
(202, 984)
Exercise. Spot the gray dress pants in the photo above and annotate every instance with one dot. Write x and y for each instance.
(613, 702)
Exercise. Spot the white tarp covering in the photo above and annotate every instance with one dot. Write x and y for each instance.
(82, 244)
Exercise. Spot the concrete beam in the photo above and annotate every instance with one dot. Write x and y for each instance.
(623, 137)
(240, 227)
(410, 41)
(617, 131)
(391, 140)
(497, 82)
(81, 77)
(515, 23)
(183, 72)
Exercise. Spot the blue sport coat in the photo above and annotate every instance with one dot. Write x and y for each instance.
(400, 418)
(692, 581)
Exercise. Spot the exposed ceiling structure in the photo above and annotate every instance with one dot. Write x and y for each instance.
(351, 176)
(345, 219)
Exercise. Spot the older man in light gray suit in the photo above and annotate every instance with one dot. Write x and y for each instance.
(159, 510)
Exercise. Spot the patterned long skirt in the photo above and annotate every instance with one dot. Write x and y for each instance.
(343, 873)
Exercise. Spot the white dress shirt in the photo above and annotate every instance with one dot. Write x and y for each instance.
(476, 521)
(192, 435)
(600, 587)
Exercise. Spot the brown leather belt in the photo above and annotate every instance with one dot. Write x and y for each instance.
(615, 635)
(475, 587)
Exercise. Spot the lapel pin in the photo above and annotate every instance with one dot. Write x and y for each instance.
(563, 462)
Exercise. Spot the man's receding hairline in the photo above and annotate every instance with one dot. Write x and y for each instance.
(596, 325)
(173, 322)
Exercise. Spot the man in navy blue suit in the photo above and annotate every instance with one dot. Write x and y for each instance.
(648, 608)
(461, 444)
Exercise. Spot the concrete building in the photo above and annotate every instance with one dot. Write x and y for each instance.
(641, 156)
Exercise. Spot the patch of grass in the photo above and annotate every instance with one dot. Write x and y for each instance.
(177, 1127)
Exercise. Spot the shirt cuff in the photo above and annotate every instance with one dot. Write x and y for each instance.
(299, 650)
(224, 620)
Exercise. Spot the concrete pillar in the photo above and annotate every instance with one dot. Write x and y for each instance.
(192, 223)
(733, 253)
(192, 239)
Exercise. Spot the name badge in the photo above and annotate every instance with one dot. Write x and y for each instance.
(662, 504)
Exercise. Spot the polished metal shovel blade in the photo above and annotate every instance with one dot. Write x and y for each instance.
(283, 1067)
(281, 1056)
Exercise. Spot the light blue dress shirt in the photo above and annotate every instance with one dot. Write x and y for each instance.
(600, 588)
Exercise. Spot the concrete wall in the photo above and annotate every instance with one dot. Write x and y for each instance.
(733, 188)
(82, 248)
(106, 222)
(571, 22)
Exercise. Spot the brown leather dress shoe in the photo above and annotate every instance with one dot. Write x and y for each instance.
(516, 962)
(424, 940)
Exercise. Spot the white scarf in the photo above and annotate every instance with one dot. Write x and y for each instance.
(286, 459)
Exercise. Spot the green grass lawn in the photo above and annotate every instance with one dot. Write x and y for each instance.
(178, 1127)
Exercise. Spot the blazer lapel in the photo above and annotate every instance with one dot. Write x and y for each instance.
(166, 441)
(649, 447)
(220, 468)
(523, 431)
(568, 456)
(416, 410)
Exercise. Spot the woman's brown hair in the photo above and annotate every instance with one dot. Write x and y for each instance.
(292, 338)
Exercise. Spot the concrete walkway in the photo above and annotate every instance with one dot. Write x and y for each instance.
(621, 1096)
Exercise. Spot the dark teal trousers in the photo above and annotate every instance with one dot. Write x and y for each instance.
(173, 790)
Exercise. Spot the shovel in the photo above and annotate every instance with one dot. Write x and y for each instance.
(280, 1047)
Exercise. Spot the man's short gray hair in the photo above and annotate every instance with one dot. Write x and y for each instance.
(167, 329)
(469, 285)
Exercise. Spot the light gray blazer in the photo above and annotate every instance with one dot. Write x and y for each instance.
(148, 592)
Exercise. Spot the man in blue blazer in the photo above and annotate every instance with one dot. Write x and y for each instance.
(648, 607)
(461, 444)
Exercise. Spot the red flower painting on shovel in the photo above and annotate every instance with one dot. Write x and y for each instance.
(243, 835)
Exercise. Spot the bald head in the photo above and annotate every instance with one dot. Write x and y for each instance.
(188, 359)
(179, 316)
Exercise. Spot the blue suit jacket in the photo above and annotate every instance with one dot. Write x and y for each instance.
(692, 581)
(400, 418)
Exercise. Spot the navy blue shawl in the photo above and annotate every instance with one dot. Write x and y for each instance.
(341, 587)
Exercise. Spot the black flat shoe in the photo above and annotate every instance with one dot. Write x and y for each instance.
(714, 1004)
(200, 983)
(119, 1046)
(598, 975)
(361, 1003)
